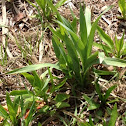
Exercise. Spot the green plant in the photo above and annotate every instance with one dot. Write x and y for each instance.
(40, 85)
(78, 48)
(122, 6)
(102, 97)
(115, 48)
(112, 121)
(76, 60)
(47, 10)
(14, 113)
(124, 119)
(42, 91)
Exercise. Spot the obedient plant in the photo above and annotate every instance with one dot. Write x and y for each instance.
(77, 58)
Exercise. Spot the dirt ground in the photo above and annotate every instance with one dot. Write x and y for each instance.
(24, 30)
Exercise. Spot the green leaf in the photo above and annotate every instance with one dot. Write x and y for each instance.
(93, 59)
(102, 72)
(90, 121)
(20, 92)
(11, 109)
(92, 32)
(29, 77)
(83, 124)
(101, 56)
(39, 124)
(58, 86)
(45, 86)
(42, 4)
(98, 90)
(22, 107)
(61, 97)
(37, 81)
(31, 3)
(57, 13)
(60, 52)
(3, 112)
(53, 8)
(122, 5)
(9, 102)
(62, 105)
(83, 27)
(121, 43)
(114, 62)
(92, 104)
(74, 24)
(44, 109)
(116, 44)
(73, 54)
(33, 68)
(105, 38)
(88, 19)
(57, 33)
(102, 47)
(76, 40)
(109, 91)
(60, 3)
(114, 116)
(30, 115)
(16, 103)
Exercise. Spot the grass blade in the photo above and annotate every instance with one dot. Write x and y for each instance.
(91, 61)
(109, 91)
(88, 20)
(60, 3)
(98, 89)
(33, 68)
(102, 47)
(114, 116)
(92, 32)
(92, 104)
(29, 118)
(60, 52)
(114, 62)
(105, 38)
(3, 112)
(19, 92)
(77, 42)
(73, 54)
(83, 27)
